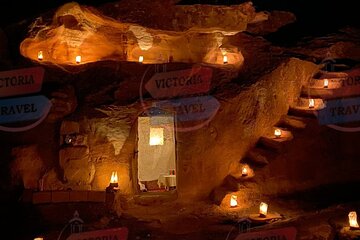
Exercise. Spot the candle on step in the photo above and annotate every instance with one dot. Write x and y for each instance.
(311, 103)
(277, 133)
(233, 201)
(326, 83)
(244, 172)
(263, 209)
(78, 59)
(353, 220)
(141, 59)
(40, 55)
(225, 59)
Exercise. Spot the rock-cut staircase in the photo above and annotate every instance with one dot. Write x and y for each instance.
(324, 86)
(312, 98)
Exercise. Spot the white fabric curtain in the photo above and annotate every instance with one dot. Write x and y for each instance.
(157, 160)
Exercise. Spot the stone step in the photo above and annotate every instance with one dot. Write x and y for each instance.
(327, 74)
(346, 233)
(276, 142)
(331, 83)
(301, 113)
(316, 92)
(292, 122)
(237, 171)
(302, 107)
(330, 88)
(256, 156)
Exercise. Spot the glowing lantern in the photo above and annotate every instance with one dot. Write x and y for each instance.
(225, 59)
(40, 55)
(311, 103)
(233, 201)
(38, 238)
(263, 209)
(78, 59)
(156, 136)
(353, 220)
(277, 133)
(114, 179)
(326, 83)
(244, 171)
(141, 58)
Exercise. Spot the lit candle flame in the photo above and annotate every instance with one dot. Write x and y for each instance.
(114, 177)
(141, 58)
(78, 59)
(244, 171)
(233, 201)
(263, 209)
(326, 83)
(353, 220)
(277, 133)
(40, 55)
(225, 59)
(311, 103)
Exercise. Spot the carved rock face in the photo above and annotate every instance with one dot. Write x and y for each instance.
(82, 31)
(64, 102)
(28, 166)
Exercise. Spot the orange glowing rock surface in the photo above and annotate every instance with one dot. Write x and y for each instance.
(83, 31)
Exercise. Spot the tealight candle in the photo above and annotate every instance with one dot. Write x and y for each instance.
(40, 55)
(244, 171)
(263, 209)
(353, 220)
(326, 83)
(233, 201)
(277, 133)
(225, 59)
(78, 59)
(311, 103)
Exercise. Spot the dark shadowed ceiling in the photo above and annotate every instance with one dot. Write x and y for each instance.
(314, 17)
(319, 12)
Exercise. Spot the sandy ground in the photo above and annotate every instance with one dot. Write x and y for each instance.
(179, 221)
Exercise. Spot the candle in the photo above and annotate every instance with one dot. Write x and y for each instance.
(141, 59)
(263, 209)
(311, 103)
(233, 201)
(78, 59)
(326, 83)
(39, 238)
(277, 133)
(353, 220)
(114, 179)
(40, 55)
(225, 59)
(244, 172)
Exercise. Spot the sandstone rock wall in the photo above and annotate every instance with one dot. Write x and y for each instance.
(205, 155)
(318, 156)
